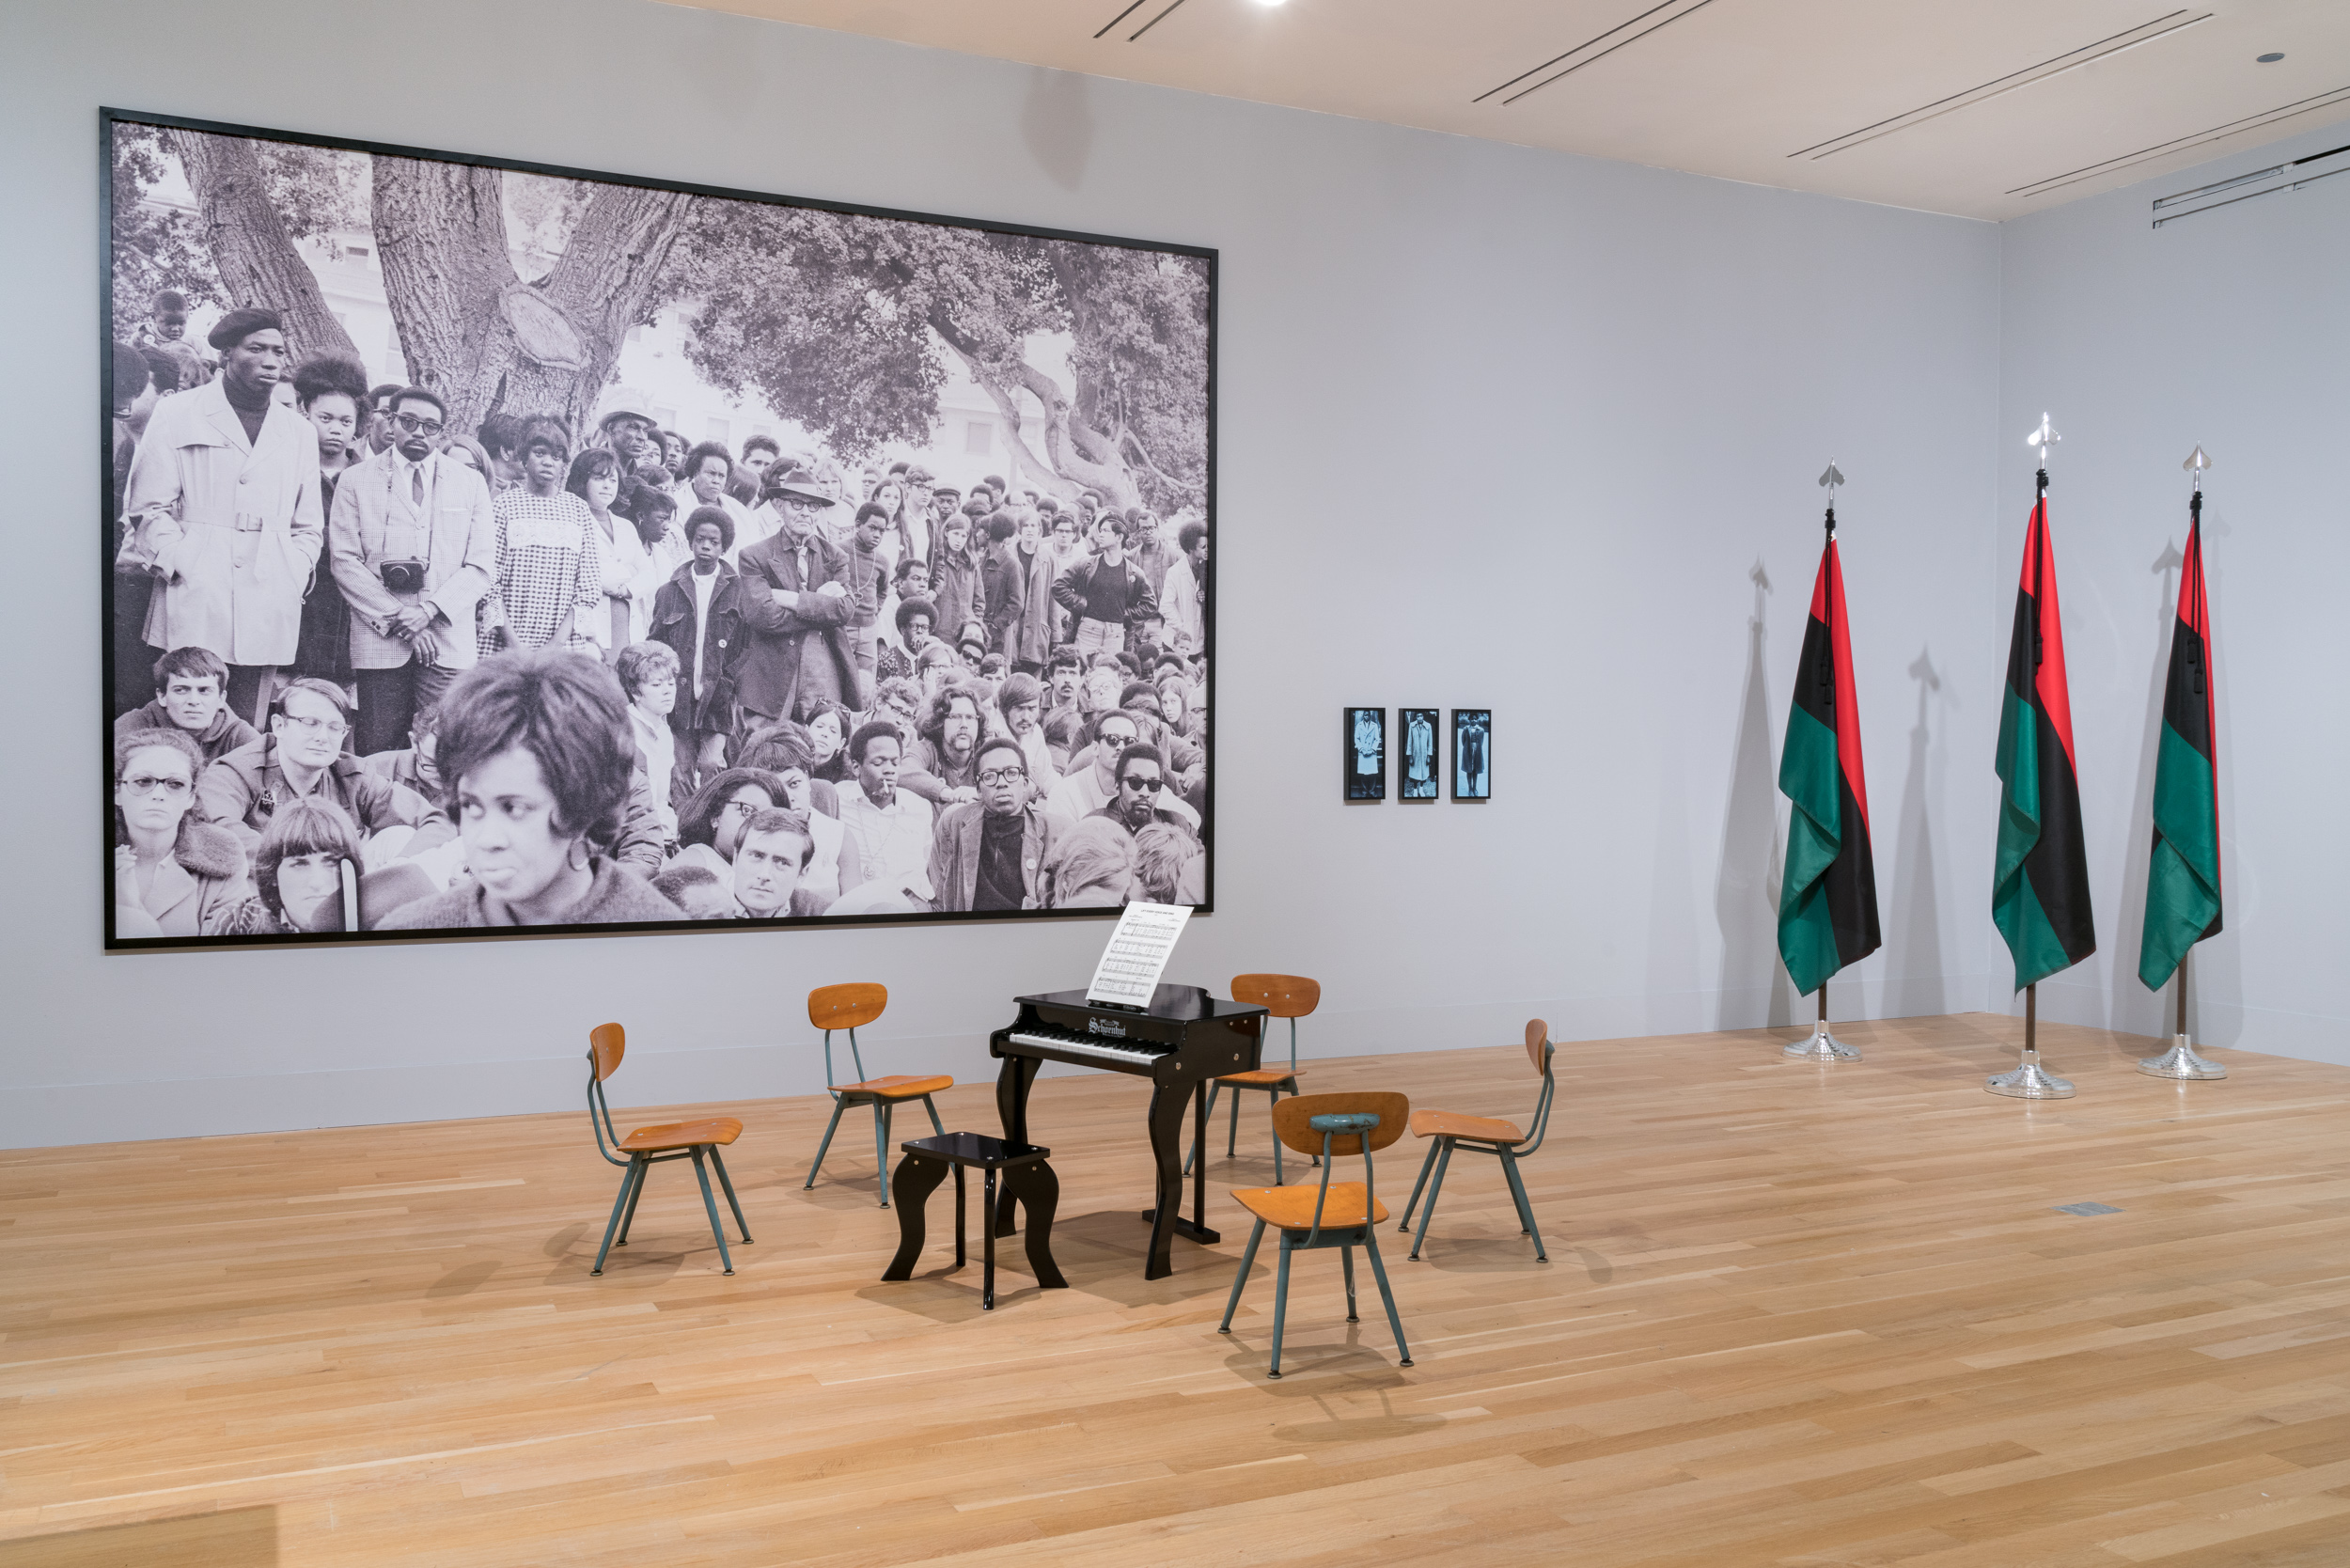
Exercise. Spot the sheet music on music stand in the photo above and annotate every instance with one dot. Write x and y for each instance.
(1128, 975)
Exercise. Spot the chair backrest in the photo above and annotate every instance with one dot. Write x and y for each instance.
(1539, 1050)
(1282, 996)
(1291, 1116)
(606, 1044)
(844, 1006)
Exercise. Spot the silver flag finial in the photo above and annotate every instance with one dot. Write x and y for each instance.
(2044, 437)
(1833, 478)
(2196, 461)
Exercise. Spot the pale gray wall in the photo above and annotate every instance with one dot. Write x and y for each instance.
(1499, 428)
(2231, 329)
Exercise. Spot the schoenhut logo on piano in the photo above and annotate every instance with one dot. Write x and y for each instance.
(1105, 1026)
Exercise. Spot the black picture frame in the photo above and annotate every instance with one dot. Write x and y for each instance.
(1472, 754)
(1420, 755)
(112, 120)
(1363, 753)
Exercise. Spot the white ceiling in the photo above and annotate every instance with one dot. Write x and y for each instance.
(1986, 108)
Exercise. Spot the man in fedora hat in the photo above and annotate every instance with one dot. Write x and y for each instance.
(629, 433)
(797, 608)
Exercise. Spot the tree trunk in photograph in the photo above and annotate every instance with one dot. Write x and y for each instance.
(473, 331)
(256, 258)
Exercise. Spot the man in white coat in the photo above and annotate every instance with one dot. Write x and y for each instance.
(412, 546)
(223, 510)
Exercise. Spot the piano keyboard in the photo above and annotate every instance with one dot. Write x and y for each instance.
(1138, 1054)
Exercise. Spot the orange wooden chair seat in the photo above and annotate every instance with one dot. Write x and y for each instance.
(1264, 1077)
(1481, 1129)
(898, 1086)
(1293, 1207)
(682, 1135)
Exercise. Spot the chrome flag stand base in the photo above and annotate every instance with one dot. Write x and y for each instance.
(2181, 1063)
(2029, 1082)
(1822, 1046)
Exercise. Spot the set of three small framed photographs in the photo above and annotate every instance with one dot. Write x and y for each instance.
(1419, 764)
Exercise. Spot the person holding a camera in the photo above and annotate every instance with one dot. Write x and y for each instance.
(414, 549)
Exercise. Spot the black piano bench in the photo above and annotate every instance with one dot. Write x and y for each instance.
(1027, 1177)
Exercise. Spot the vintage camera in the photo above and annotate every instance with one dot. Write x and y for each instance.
(401, 576)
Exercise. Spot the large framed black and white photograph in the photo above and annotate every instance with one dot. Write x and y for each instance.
(489, 544)
(1472, 754)
(1419, 753)
(1365, 753)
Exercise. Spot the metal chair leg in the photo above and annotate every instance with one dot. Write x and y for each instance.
(628, 1220)
(1272, 1102)
(1193, 1158)
(1435, 1145)
(1526, 1206)
(702, 1174)
(1444, 1163)
(881, 1148)
(628, 1184)
(1280, 1303)
(732, 1202)
(936, 1125)
(838, 1104)
(1240, 1280)
(1346, 1259)
(1379, 1271)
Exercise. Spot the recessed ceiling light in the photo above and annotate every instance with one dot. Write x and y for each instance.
(2270, 60)
(1272, 2)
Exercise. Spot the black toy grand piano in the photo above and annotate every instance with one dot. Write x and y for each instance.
(1185, 1038)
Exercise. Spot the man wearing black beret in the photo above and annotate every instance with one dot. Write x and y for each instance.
(223, 509)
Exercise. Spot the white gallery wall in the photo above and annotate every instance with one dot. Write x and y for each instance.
(2230, 330)
(1497, 428)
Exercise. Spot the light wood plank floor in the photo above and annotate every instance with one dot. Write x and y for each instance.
(1795, 1315)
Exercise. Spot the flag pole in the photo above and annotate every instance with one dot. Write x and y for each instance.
(2182, 1062)
(1821, 1046)
(2029, 1081)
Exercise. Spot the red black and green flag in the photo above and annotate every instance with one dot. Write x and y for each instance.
(2040, 884)
(1828, 905)
(2183, 883)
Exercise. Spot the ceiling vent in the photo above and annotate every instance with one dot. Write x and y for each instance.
(2260, 182)
(1592, 51)
(2180, 143)
(2071, 59)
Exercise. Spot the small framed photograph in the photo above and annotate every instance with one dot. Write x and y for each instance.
(1472, 754)
(1366, 753)
(1421, 773)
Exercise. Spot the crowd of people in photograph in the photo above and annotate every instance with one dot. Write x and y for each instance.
(376, 672)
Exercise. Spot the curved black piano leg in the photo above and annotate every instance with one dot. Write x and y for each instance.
(1012, 1084)
(1169, 1102)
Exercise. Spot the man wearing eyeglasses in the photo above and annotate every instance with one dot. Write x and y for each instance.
(414, 548)
(991, 854)
(302, 757)
(224, 511)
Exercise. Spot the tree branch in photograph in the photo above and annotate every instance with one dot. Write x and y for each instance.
(251, 250)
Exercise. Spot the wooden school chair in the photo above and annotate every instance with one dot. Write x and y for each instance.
(1289, 997)
(1485, 1135)
(649, 1146)
(1345, 1215)
(844, 1006)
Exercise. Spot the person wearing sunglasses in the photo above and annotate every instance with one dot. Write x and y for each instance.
(990, 855)
(411, 543)
(175, 875)
(1142, 795)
